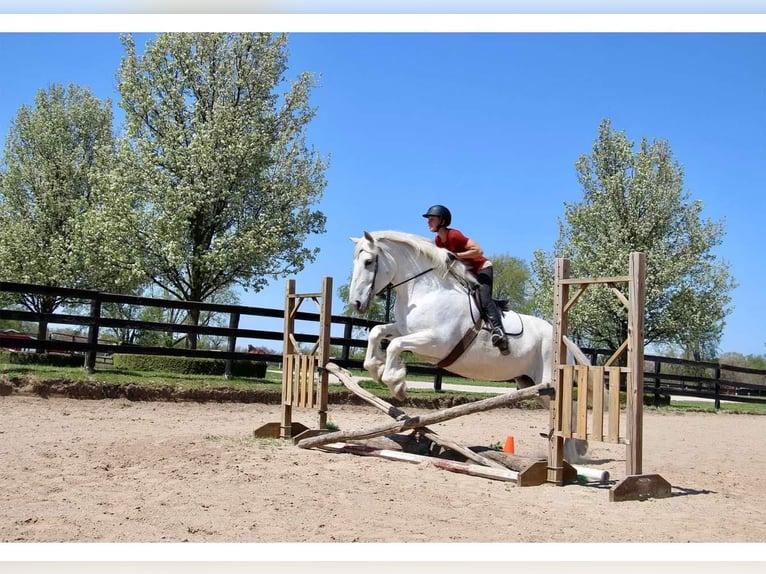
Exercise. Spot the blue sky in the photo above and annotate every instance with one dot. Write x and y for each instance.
(491, 124)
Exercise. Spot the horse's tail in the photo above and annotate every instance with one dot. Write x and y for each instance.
(578, 355)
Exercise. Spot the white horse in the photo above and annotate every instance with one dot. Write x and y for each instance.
(437, 319)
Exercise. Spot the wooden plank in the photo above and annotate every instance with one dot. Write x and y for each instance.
(323, 352)
(451, 465)
(635, 405)
(288, 366)
(573, 299)
(307, 295)
(293, 342)
(620, 296)
(311, 401)
(616, 355)
(582, 402)
(566, 401)
(593, 280)
(306, 380)
(597, 384)
(614, 404)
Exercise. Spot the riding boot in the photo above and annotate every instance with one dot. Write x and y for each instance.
(499, 338)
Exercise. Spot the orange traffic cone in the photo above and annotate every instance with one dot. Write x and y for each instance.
(509, 447)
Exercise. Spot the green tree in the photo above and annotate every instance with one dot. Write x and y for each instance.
(215, 182)
(381, 309)
(510, 281)
(51, 157)
(635, 201)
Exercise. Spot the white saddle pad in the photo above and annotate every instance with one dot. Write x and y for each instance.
(513, 324)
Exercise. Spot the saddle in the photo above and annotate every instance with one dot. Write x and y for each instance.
(512, 322)
(514, 326)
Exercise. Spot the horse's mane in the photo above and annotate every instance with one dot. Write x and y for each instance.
(437, 256)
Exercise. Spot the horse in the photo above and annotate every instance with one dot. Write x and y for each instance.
(438, 320)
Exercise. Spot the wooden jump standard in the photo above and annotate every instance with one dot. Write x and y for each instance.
(304, 383)
(572, 422)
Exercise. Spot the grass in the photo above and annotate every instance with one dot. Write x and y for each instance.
(726, 407)
(110, 375)
(106, 374)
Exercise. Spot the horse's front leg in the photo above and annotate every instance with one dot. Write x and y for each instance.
(394, 372)
(375, 358)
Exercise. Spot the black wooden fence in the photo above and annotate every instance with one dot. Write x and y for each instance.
(662, 375)
(87, 312)
(699, 379)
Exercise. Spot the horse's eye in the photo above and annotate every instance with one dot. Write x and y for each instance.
(368, 262)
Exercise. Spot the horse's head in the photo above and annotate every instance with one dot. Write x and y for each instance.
(372, 272)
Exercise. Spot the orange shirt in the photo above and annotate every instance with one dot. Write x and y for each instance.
(456, 243)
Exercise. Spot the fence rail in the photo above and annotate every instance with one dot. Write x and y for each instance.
(700, 379)
(662, 375)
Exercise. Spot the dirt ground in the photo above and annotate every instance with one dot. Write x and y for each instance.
(121, 471)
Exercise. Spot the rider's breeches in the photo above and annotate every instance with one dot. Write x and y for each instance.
(485, 278)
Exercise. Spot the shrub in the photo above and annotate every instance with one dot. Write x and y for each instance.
(50, 359)
(664, 399)
(188, 365)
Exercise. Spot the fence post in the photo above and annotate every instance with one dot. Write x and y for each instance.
(90, 354)
(438, 380)
(657, 369)
(347, 332)
(232, 345)
(718, 388)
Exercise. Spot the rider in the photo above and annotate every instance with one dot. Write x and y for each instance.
(469, 252)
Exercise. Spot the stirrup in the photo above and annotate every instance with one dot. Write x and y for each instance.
(500, 341)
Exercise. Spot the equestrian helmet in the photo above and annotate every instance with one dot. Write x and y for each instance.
(441, 212)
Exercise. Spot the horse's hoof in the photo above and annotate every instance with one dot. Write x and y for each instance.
(400, 391)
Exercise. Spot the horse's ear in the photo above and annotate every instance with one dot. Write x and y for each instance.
(355, 240)
(368, 237)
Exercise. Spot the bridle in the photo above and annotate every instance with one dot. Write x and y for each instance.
(375, 276)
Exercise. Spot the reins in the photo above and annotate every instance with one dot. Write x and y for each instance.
(375, 276)
(412, 278)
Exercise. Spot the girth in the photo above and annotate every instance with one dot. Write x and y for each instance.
(462, 345)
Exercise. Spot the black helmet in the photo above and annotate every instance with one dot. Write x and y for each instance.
(441, 212)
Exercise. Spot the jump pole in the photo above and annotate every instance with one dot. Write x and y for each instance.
(525, 472)
(304, 382)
